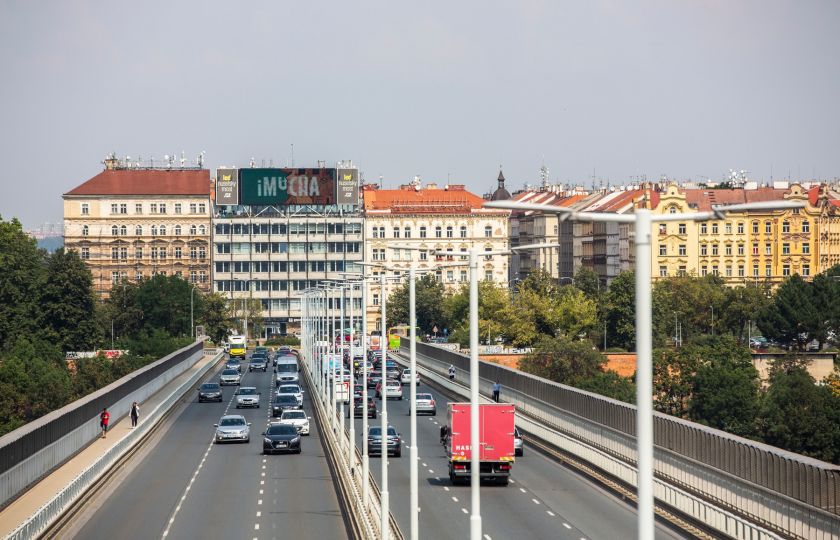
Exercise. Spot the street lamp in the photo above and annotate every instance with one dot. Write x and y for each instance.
(192, 319)
(643, 220)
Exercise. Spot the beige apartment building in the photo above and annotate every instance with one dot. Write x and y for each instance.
(130, 223)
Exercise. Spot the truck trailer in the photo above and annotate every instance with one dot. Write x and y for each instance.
(496, 452)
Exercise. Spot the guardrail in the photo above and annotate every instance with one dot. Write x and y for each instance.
(52, 510)
(711, 496)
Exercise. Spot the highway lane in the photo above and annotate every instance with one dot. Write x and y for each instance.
(187, 487)
(543, 500)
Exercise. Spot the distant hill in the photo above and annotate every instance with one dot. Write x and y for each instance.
(52, 243)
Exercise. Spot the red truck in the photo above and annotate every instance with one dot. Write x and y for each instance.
(496, 426)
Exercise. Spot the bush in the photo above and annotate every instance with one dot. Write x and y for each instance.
(290, 341)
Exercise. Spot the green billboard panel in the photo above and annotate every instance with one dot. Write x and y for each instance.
(284, 187)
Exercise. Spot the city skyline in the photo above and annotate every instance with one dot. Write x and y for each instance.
(449, 93)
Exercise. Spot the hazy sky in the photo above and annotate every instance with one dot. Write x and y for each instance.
(621, 88)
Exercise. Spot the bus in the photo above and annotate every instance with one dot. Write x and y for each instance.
(397, 332)
(237, 346)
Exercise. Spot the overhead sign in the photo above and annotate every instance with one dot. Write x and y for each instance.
(347, 190)
(287, 186)
(227, 187)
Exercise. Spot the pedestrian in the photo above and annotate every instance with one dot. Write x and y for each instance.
(135, 414)
(497, 388)
(444, 432)
(451, 372)
(104, 416)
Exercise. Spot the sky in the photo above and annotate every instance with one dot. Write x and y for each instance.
(445, 90)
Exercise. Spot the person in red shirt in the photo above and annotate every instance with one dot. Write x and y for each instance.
(103, 421)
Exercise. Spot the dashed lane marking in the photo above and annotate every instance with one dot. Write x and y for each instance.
(567, 525)
(550, 513)
(522, 490)
(535, 501)
(464, 510)
(455, 499)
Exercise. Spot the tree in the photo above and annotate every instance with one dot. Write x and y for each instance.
(673, 380)
(688, 301)
(21, 278)
(563, 360)
(621, 311)
(123, 311)
(216, 317)
(611, 385)
(68, 303)
(589, 283)
(793, 317)
(165, 303)
(741, 306)
(492, 301)
(428, 303)
(826, 289)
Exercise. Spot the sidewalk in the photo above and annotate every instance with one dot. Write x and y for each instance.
(40, 493)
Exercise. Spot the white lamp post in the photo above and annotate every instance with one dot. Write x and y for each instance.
(643, 222)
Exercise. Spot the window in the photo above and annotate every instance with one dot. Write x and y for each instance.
(768, 228)
(202, 208)
(806, 227)
(715, 270)
(193, 252)
(381, 232)
(463, 231)
(85, 230)
(450, 276)
(785, 227)
(740, 227)
(767, 270)
(115, 230)
(449, 232)
(407, 232)
(154, 230)
(192, 230)
(396, 232)
(113, 208)
(438, 232)
(728, 271)
(682, 250)
(704, 270)
(192, 208)
(488, 231)
(123, 230)
(138, 253)
(123, 208)
(177, 231)
(755, 270)
(193, 276)
(163, 230)
(202, 230)
(740, 249)
(115, 253)
(153, 208)
(162, 208)
(663, 271)
(221, 247)
(177, 208)
(755, 248)
(681, 228)
(714, 249)
(663, 228)
(162, 253)
(138, 230)
(704, 228)
(682, 270)
(755, 229)
(663, 250)
(704, 250)
(806, 270)
(138, 275)
(728, 250)
(202, 252)
(768, 249)
(463, 276)
(714, 228)
(423, 232)
(177, 253)
(785, 249)
(424, 255)
(85, 209)
(375, 232)
(785, 269)
(806, 248)
(488, 275)
(85, 253)
(115, 277)
(727, 228)
(740, 270)
(138, 208)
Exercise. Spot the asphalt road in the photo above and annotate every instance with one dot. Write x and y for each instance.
(543, 500)
(186, 487)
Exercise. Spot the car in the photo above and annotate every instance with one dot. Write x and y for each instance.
(284, 350)
(210, 392)
(232, 427)
(296, 418)
(282, 403)
(393, 372)
(234, 363)
(374, 441)
(405, 377)
(518, 445)
(247, 396)
(357, 389)
(230, 376)
(281, 438)
(374, 378)
(393, 388)
(291, 389)
(258, 363)
(425, 403)
(287, 370)
(358, 409)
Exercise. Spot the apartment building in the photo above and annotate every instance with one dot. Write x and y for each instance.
(438, 225)
(130, 223)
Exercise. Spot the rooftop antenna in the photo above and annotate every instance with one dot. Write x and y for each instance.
(544, 174)
(252, 164)
(293, 154)
(183, 160)
(381, 182)
(201, 159)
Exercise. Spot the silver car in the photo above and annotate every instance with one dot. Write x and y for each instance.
(232, 427)
(518, 446)
(293, 390)
(247, 396)
(426, 404)
(230, 376)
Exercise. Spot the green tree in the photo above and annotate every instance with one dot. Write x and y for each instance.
(563, 360)
(673, 380)
(826, 289)
(688, 301)
(589, 283)
(611, 385)
(741, 306)
(492, 300)
(69, 304)
(22, 274)
(793, 316)
(216, 317)
(165, 303)
(428, 303)
(620, 310)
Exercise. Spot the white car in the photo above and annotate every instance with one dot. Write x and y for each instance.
(247, 396)
(230, 376)
(405, 378)
(297, 419)
(232, 427)
(291, 389)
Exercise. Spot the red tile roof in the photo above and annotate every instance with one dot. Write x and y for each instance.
(704, 199)
(427, 200)
(146, 182)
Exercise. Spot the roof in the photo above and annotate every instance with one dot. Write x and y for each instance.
(703, 199)
(427, 200)
(146, 182)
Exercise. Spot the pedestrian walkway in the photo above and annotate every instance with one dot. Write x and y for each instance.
(40, 493)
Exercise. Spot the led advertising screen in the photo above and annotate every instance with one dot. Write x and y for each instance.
(283, 187)
(227, 187)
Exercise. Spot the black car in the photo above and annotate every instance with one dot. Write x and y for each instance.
(358, 408)
(374, 441)
(283, 402)
(281, 438)
(210, 392)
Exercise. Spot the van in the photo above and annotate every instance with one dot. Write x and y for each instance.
(287, 370)
(237, 346)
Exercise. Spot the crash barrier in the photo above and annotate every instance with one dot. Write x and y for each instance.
(365, 514)
(33, 450)
(709, 464)
(55, 507)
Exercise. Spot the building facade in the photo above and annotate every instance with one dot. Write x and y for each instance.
(130, 223)
(438, 226)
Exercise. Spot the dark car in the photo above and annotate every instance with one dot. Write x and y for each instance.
(210, 392)
(357, 389)
(281, 438)
(374, 441)
(234, 363)
(374, 377)
(258, 363)
(358, 408)
(283, 402)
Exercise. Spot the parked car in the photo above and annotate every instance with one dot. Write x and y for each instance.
(210, 392)
(281, 438)
(374, 441)
(230, 376)
(426, 404)
(247, 396)
(405, 377)
(232, 427)
(296, 418)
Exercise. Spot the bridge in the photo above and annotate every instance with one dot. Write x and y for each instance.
(166, 478)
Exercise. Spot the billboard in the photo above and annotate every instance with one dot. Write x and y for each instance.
(347, 186)
(227, 187)
(286, 186)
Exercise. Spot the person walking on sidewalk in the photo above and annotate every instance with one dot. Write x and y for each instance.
(497, 388)
(451, 372)
(104, 417)
(135, 414)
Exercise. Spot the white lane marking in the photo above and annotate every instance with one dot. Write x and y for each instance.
(535, 501)
(431, 471)
(487, 537)
(550, 513)
(512, 481)
(522, 490)
(256, 526)
(567, 525)
(259, 514)
(261, 492)
(425, 465)
(464, 510)
(446, 488)
(455, 499)
(262, 482)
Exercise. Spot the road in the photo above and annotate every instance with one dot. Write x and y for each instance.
(543, 500)
(186, 487)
